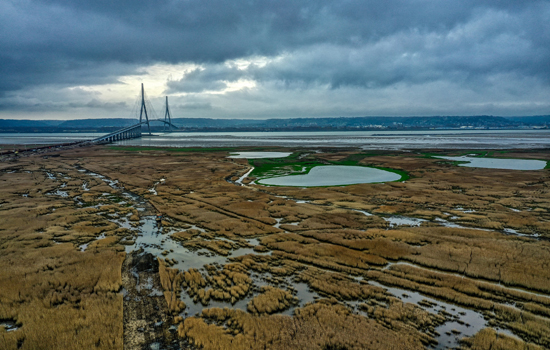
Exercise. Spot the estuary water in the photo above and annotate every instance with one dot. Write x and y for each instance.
(457, 139)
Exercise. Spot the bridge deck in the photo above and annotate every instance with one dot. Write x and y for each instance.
(129, 132)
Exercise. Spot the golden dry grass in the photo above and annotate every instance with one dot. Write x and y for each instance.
(59, 295)
(313, 327)
(488, 339)
(329, 243)
(271, 300)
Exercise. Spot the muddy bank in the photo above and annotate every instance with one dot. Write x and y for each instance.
(148, 323)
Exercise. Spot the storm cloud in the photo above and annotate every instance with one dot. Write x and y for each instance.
(280, 58)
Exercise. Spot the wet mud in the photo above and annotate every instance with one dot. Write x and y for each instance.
(147, 319)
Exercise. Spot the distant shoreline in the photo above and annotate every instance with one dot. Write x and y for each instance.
(207, 130)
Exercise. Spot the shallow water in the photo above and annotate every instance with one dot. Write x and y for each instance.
(398, 220)
(9, 325)
(299, 289)
(499, 163)
(471, 139)
(333, 175)
(257, 155)
(464, 322)
(447, 273)
(240, 180)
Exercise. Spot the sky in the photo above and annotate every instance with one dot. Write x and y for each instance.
(69, 59)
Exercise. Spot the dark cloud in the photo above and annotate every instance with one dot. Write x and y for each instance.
(62, 106)
(318, 44)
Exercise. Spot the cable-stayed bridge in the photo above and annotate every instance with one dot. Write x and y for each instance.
(135, 131)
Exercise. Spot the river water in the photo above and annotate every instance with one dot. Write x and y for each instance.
(471, 139)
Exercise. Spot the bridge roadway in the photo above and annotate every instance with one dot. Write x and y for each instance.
(127, 133)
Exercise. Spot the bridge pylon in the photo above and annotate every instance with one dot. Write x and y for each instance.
(167, 116)
(143, 110)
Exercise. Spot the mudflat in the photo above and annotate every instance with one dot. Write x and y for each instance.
(112, 247)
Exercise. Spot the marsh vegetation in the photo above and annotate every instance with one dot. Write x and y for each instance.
(456, 250)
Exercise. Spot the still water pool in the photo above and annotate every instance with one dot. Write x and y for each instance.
(256, 155)
(499, 163)
(333, 175)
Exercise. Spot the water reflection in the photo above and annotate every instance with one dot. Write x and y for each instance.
(257, 155)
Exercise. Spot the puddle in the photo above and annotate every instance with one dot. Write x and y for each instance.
(304, 294)
(333, 175)
(112, 183)
(60, 193)
(257, 155)
(155, 346)
(9, 325)
(464, 210)
(83, 247)
(403, 220)
(451, 224)
(499, 163)
(511, 231)
(278, 224)
(153, 190)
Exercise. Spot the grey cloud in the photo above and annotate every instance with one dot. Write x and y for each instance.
(323, 44)
(105, 105)
(49, 37)
(194, 106)
(213, 78)
(34, 105)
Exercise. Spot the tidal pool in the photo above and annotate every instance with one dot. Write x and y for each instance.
(499, 163)
(257, 155)
(333, 175)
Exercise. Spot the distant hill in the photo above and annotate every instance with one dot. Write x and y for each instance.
(97, 123)
(351, 123)
(534, 120)
(289, 124)
(15, 123)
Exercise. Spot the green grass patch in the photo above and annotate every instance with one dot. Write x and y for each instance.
(301, 163)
